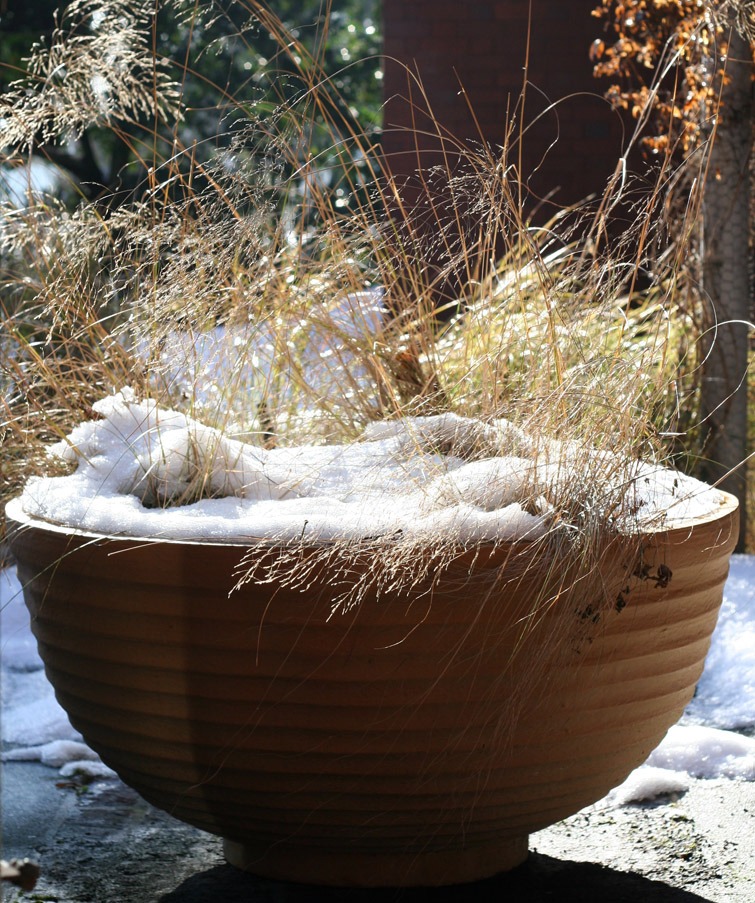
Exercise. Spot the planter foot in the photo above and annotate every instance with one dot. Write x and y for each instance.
(356, 869)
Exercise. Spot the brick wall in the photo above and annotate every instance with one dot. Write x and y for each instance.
(482, 47)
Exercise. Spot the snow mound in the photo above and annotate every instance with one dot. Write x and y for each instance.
(146, 471)
(706, 752)
(55, 754)
(647, 783)
(687, 752)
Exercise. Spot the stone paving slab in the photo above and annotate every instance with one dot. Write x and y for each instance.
(106, 845)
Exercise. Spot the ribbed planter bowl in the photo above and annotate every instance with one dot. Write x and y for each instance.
(415, 739)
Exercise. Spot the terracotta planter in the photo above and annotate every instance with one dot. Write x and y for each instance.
(408, 741)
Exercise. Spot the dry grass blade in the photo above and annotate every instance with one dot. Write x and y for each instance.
(98, 68)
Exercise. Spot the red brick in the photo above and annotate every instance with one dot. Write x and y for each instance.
(484, 45)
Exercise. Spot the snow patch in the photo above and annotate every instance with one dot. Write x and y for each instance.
(687, 752)
(55, 753)
(647, 783)
(725, 696)
(87, 768)
(706, 752)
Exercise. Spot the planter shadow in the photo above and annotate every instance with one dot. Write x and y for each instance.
(541, 879)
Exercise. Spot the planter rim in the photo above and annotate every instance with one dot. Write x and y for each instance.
(678, 528)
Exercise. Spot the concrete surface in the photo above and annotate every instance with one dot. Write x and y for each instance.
(103, 844)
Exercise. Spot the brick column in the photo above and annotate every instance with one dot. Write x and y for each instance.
(481, 46)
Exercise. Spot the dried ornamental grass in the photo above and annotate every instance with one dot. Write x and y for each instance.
(242, 291)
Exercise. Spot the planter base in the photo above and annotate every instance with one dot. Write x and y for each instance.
(344, 869)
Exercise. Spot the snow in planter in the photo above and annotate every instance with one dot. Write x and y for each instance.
(136, 469)
(145, 471)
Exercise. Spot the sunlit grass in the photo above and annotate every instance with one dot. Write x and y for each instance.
(286, 296)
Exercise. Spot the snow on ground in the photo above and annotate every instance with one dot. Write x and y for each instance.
(704, 744)
(34, 726)
(701, 746)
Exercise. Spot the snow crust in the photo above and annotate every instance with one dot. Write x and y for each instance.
(136, 464)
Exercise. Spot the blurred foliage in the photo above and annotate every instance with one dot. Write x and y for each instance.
(679, 38)
(228, 67)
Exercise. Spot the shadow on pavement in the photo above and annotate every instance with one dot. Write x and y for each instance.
(540, 879)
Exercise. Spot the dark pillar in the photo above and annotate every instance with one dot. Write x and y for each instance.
(573, 138)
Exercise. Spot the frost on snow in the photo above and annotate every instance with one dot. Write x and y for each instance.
(146, 471)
